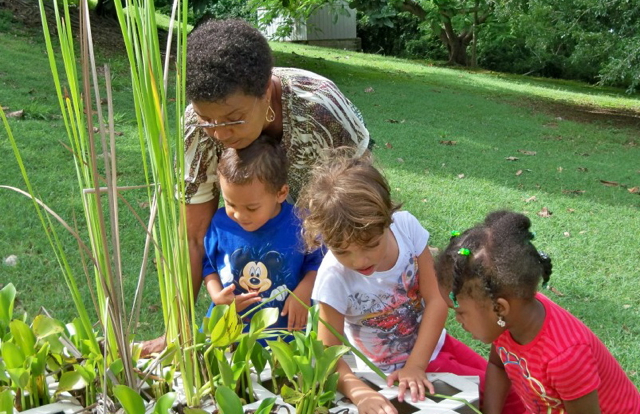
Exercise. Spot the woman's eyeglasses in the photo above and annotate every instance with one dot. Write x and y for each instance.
(210, 125)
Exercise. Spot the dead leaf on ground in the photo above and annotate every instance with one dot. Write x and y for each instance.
(512, 158)
(573, 191)
(583, 169)
(519, 172)
(388, 145)
(582, 232)
(634, 190)
(566, 234)
(399, 160)
(610, 183)
(545, 212)
(571, 210)
(449, 142)
(144, 204)
(369, 90)
(560, 169)
(16, 114)
(460, 175)
(556, 291)
(626, 306)
(530, 199)
(525, 152)
(153, 308)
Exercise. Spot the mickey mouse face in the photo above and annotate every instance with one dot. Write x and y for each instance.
(255, 277)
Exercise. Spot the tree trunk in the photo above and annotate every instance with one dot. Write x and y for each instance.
(457, 51)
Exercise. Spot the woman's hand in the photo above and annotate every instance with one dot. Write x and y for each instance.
(412, 378)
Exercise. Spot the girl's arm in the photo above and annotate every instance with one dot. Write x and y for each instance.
(366, 399)
(412, 375)
(588, 404)
(496, 385)
(297, 313)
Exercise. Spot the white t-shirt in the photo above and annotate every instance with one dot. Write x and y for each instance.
(382, 311)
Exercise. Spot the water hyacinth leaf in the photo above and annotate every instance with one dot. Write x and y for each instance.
(332, 382)
(328, 360)
(116, 366)
(7, 299)
(262, 319)
(188, 410)
(306, 371)
(12, 355)
(131, 401)
(326, 397)
(164, 403)
(3, 372)
(44, 326)
(259, 357)
(265, 406)
(6, 401)
(291, 396)
(216, 314)
(317, 347)
(228, 401)
(19, 376)
(71, 380)
(23, 336)
(39, 362)
(226, 373)
(284, 356)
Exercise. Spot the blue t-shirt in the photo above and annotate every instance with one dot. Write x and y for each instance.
(268, 260)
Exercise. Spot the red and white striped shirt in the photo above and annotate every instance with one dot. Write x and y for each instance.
(564, 362)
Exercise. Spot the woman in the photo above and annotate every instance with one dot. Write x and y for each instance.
(236, 95)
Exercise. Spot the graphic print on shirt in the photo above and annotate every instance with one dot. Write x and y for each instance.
(543, 402)
(395, 316)
(254, 271)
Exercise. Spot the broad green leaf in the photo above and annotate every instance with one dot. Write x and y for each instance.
(131, 401)
(284, 356)
(20, 376)
(228, 402)
(3, 372)
(6, 401)
(189, 410)
(291, 396)
(23, 336)
(12, 355)
(238, 369)
(7, 298)
(331, 384)
(259, 357)
(265, 406)
(306, 371)
(164, 403)
(71, 380)
(226, 373)
(116, 366)
(262, 319)
(326, 397)
(39, 362)
(44, 326)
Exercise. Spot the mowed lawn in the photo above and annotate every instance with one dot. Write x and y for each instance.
(454, 144)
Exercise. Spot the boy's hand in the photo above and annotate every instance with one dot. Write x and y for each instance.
(297, 314)
(226, 296)
(372, 402)
(412, 378)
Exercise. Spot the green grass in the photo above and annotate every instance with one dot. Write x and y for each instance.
(592, 235)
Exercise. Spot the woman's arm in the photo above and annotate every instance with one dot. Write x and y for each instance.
(366, 399)
(412, 375)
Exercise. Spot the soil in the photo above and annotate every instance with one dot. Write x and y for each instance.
(108, 38)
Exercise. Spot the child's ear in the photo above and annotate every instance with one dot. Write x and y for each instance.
(282, 194)
(503, 307)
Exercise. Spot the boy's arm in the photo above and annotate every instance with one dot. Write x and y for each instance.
(496, 386)
(365, 398)
(224, 295)
(297, 313)
(412, 376)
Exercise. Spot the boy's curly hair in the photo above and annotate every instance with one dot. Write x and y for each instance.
(501, 260)
(264, 160)
(225, 57)
(346, 201)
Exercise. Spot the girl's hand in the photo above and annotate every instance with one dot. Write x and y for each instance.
(372, 402)
(297, 314)
(412, 378)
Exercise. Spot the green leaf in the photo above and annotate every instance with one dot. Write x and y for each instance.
(262, 319)
(266, 405)
(284, 357)
(7, 299)
(20, 376)
(116, 366)
(226, 373)
(164, 403)
(326, 397)
(228, 401)
(23, 336)
(291, 396)
(306, 371)
(331, 384)
(44, 326)
(259, 357)
(71, 380)
(131, 401)
(189, 410)
(12, 355)
(6, 401)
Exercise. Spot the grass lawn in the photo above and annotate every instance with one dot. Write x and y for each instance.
(454, 144)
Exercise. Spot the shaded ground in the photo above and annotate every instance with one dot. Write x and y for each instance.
(108, 38)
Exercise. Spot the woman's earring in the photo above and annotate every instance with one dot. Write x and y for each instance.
(271, 114)
(501, 322)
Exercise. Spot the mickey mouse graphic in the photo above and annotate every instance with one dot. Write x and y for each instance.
(256, 272)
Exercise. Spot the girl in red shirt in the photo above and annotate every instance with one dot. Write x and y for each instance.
(489, 275)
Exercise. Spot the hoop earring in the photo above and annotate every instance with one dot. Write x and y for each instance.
(501, 322)
(271, 114)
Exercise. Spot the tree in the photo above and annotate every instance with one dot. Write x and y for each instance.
(454, 22)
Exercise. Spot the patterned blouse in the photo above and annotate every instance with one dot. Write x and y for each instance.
(315, 116)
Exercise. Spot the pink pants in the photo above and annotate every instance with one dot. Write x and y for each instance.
(459, 359)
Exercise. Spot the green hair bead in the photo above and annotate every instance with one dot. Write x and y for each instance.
(452, 296)
(455, 233)
(464, 252)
